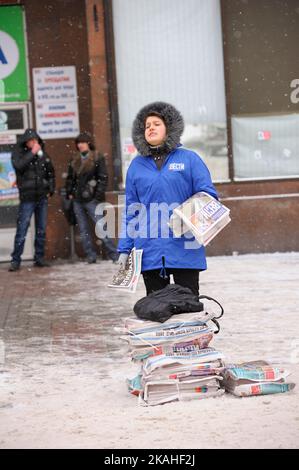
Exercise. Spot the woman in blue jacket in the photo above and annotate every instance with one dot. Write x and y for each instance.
(162, 176)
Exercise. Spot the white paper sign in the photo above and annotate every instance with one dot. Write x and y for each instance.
(57, 120)
(53, 84)
(6, 139)
(56, 106)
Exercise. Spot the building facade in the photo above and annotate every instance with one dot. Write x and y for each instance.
(230, 67)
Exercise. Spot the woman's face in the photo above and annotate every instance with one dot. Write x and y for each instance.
(83, 146)
(155, 130)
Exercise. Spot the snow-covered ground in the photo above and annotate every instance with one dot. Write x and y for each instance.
(62, 384)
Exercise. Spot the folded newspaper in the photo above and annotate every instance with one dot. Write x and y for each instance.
(255, 378)
(127, 278)
(182, 358)
(202, 215)
(200, 342)
(164, 391)
(178, 381)
(136, 326)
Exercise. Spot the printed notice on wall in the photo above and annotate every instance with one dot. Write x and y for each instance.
(56, 105)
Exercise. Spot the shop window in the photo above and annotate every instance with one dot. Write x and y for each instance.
(265, 146)
(171, 51)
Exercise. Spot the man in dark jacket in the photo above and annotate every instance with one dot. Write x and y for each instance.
(86, 183)
(36, 182)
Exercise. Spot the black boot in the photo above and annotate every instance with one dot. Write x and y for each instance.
(41, 263)
(14, 266)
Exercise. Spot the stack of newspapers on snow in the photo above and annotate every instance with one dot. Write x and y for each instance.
(176, 362)
(202, 215)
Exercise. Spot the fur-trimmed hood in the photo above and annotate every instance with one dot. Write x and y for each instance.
(174, 125)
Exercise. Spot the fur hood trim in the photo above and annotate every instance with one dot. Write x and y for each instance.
(174, 125)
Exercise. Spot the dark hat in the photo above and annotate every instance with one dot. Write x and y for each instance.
(28, 135)
(85, 137)
(173, 121)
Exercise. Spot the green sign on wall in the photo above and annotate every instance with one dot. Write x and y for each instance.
(13, 67)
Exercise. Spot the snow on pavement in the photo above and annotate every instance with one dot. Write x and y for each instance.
(63, 369)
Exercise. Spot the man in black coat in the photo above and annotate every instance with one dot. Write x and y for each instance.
(86, 184)
(36, 182)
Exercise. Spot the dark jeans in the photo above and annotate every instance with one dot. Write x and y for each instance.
(26, 209)
(82, 211)
(183, 277)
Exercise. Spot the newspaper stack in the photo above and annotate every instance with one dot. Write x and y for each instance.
(255, 378)
(202, 215)
(176, 362)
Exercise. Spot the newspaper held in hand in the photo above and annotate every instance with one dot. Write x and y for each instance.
(201, 214)
(127, 278)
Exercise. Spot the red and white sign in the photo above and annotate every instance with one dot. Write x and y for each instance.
(7, 139)
(56, 105)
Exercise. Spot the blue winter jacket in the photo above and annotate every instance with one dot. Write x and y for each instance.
(183, 174)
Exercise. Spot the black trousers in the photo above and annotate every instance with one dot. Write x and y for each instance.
(183, 277)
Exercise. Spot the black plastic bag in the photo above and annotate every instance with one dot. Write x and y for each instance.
(159, 306)
(68, 208)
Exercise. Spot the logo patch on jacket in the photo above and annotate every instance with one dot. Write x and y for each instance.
(176, 166)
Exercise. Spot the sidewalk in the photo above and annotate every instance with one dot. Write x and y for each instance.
(63, 369)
